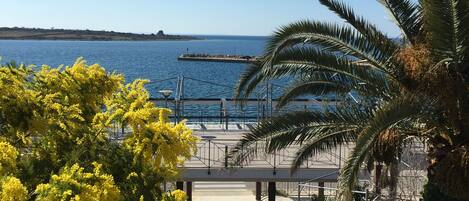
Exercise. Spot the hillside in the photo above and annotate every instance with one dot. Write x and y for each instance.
(64, 34)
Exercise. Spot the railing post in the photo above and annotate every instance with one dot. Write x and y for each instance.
(263, 111)
(221, 112)
(272, 190)
(226, 120)
(209, 158)
(340, 157)
(258, 191)
(299, 191)
(224, 106)
(321, 190)
(242, 152)
(201, 114)
(181, 100)
(226, 156)
(275, 165)
(189, 190)
(180, 185)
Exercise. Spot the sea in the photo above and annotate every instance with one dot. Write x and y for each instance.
(157, 61)
(153, 60)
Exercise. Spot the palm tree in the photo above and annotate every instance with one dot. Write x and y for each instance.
(415, 86)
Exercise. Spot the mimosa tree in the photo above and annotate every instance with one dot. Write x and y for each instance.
(66, 118)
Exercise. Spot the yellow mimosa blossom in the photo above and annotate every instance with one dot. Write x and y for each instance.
(8, 155)
(179, 195)
(73, 183)
(176, 195)
(13, 190)
(79, 114)
(154, 140)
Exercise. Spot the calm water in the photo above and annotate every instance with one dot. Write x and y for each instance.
(154, 60)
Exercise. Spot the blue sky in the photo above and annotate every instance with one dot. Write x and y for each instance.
(224, 17)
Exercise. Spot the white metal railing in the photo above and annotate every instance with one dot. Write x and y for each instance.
(215, 153)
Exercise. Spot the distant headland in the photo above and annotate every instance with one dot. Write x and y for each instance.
(16, 33)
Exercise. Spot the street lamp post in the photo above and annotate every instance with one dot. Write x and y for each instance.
(166, 94)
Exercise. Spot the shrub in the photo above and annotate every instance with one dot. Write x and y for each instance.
(56, 117)
(13, 190)
(73, 183)
(176, 195)
(8, 155)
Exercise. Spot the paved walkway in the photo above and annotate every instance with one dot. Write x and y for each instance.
(221, 138)
(211, 152)
(227, 191)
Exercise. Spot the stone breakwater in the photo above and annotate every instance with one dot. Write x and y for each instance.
(219, 58)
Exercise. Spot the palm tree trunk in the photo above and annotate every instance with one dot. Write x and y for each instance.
(378, 169)
(394, 178)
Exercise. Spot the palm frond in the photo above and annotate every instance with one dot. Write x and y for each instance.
(444, 22)
(297, 127)
(323, 142)
(251, 76)
(317, 84)
(407, 16)
(297, 60)
(386, 116)
(368, 30)
(328, 83)
(463, 15)
(345, 12)
(331, 37)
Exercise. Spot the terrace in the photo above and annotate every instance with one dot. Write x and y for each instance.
(220, 124)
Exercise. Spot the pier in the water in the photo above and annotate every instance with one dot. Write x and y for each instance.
(219, 58)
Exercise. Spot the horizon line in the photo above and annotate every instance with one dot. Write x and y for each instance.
(168, 33)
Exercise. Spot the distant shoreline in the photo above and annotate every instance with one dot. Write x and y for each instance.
(85, 35)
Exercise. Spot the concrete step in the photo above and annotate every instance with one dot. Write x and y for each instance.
(221, 186)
